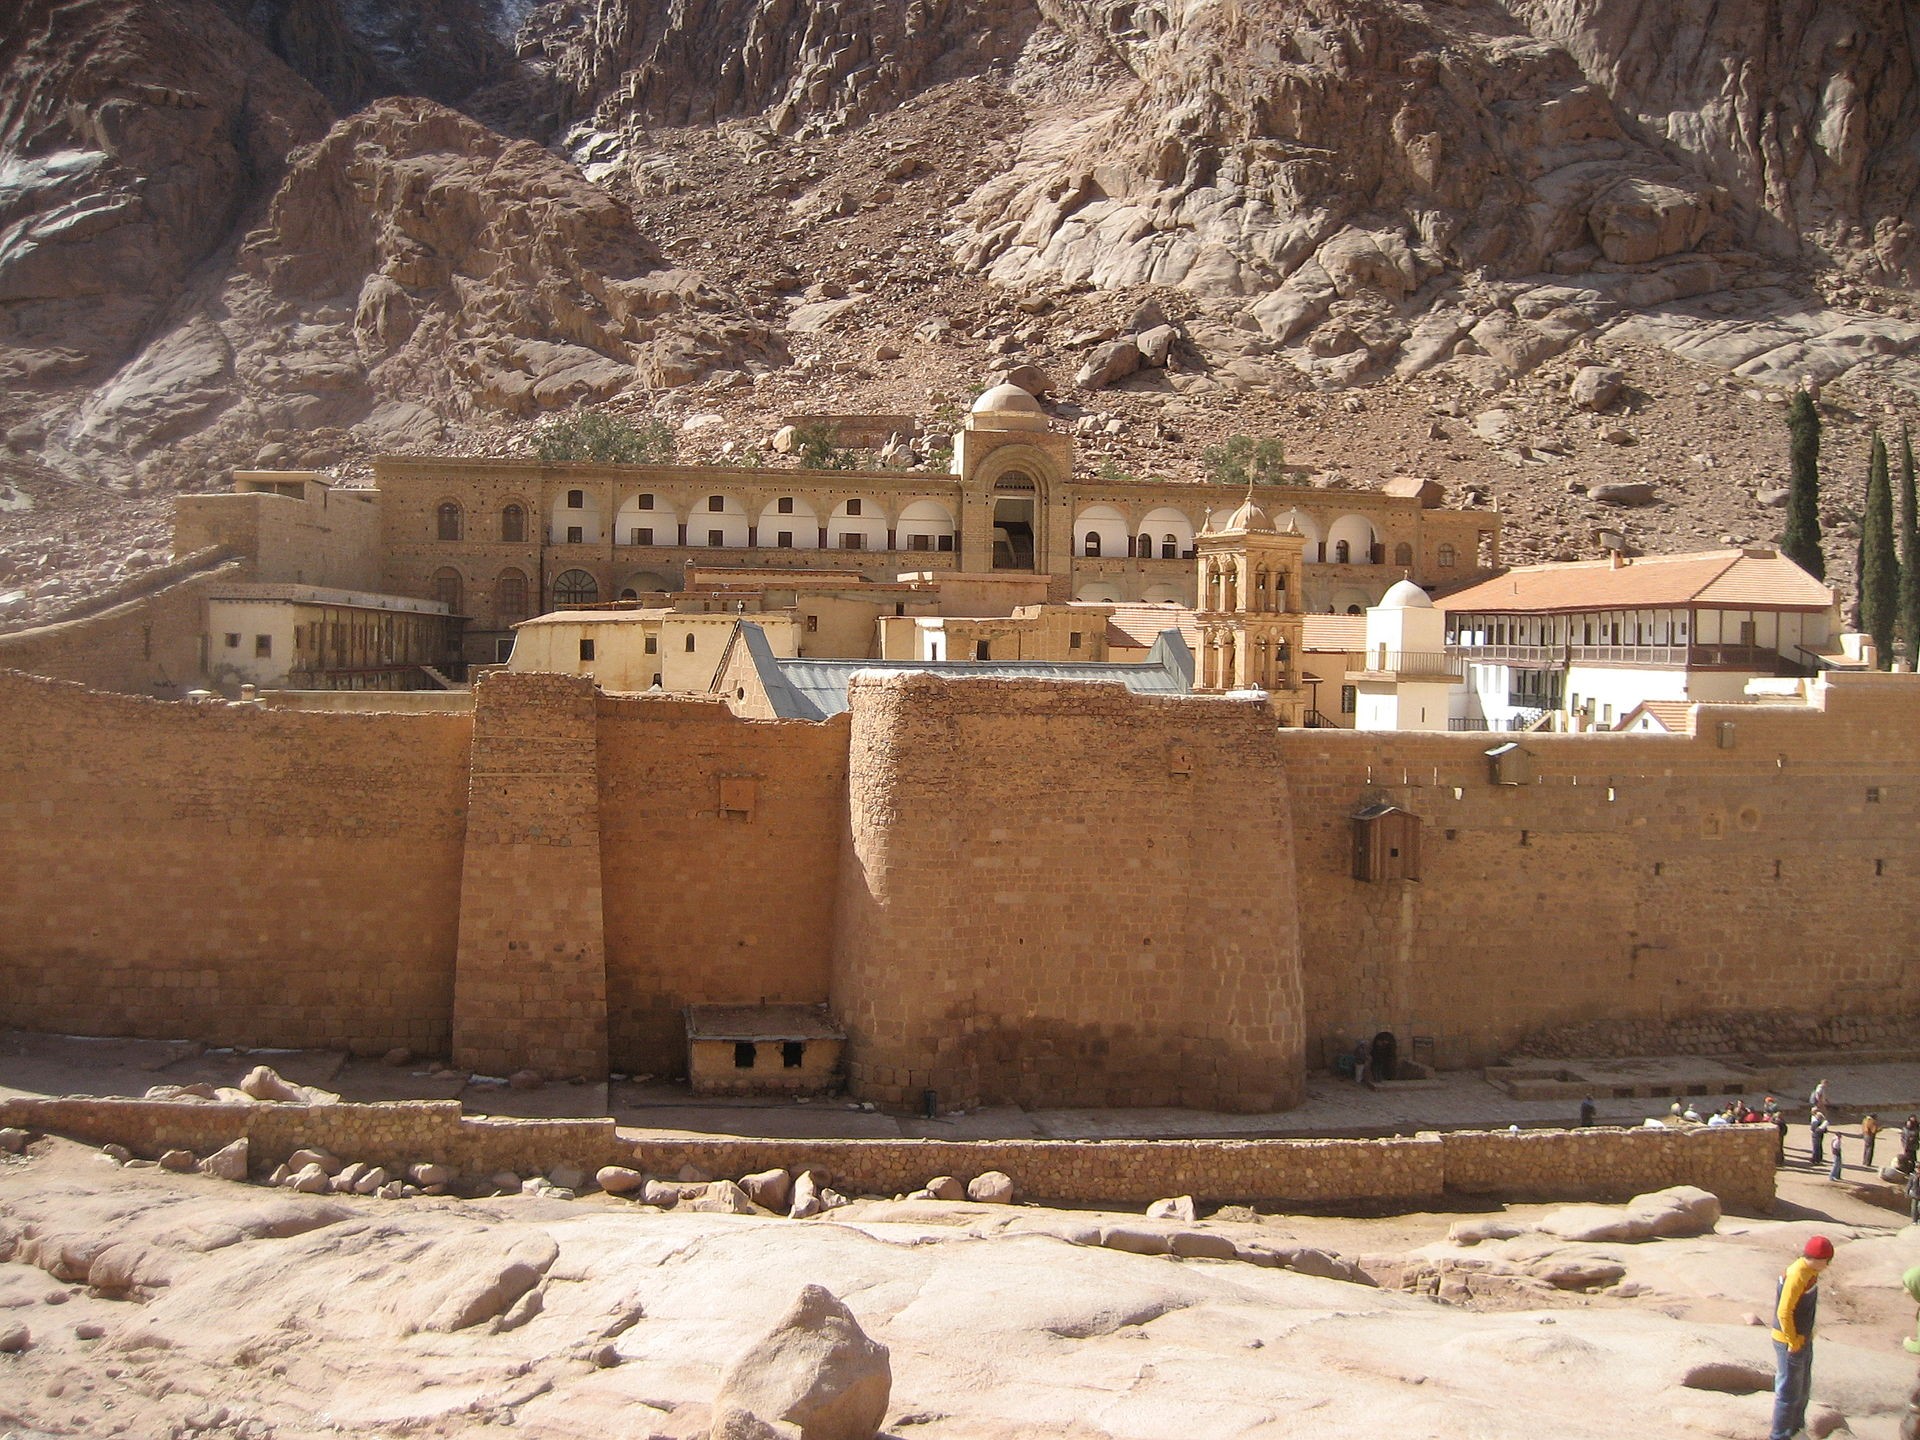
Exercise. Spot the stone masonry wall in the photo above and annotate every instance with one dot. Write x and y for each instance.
(720, 846)
(1735, 1163)
(1650, 878)
(1066, 894)
(227, 873)
(531, 983)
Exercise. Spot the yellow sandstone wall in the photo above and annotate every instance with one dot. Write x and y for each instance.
(1644, 881)
(1065, 894)
(232, 874)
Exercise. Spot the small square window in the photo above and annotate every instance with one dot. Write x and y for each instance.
(853, 541)
(233, 641)
(653, 644)
(743, 1054)
(642, 535)
(793, 1053)
(982, 650)
(785, 506)
(586, 649)
(920, 542)
(263, 647)
(576, 499)
(946, 543)
(646, 502)
(785, 539)
(853, 507)
(717, 504)
(1073, 640)
(813, 623)
(576, 534)
(716, 538)
(1349, 699)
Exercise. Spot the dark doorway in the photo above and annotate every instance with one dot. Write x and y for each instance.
(1013, 534)
(1385, 1056)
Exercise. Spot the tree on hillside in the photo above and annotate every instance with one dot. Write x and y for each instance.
(1909, 553)
(1879, 570)
(1801, 542)
(1242, 459)
(605, 439)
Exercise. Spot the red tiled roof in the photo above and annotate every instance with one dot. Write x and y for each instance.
(1333, 632)
(1671, 714)
(1725, 579)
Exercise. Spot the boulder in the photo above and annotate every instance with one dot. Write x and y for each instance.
(263, 1082)
(300, 1159)
(427, 1173)
(13, 1140)
(567, 1177)
(945, 1187)
(719, 1197)
(347, 1181)
(1030, 378)
(229, 1162)
(1595, 387)
(806, 1196)
(14, 1339)
(1201, 1245)
(198, 1091)
(1629, 492)
(371, 1180)
(1678, 1210)
(769, 1189)
(1178, 1208)
(1156, 345)
(310, 1180)
(1472, 1232)
(1135, 1239)
(815, 1370)
(178, 1160)
(618, 1179)
(992, 1188)
(1774, 497)
(1113, 361)
(663, 1193)
(526, 1080)
(1309, 1261)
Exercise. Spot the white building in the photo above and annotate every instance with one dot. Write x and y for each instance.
(1569, 646)
(310, 637)
(641, 649)
(1406, 675)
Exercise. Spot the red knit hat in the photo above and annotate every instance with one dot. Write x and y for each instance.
(1819, 1248)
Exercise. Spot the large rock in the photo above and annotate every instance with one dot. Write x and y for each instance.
(718, 1197)
(806, 1196)
(769, 1189)
(992, 1188)
(1595, 387)
(618, 1179)
(263, 1082)
(1178, 1208)
(1679, 1210)
(229, 1162)
(1113, 361)
(1630, 492)
(816, 1370)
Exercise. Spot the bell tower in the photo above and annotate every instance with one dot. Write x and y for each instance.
(1249, 611)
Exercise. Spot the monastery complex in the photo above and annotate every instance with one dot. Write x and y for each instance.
(1006, 785)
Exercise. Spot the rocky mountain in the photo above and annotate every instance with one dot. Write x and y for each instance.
(305, 231)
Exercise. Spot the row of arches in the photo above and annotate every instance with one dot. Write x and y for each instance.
(1167, 534)
(718, 521)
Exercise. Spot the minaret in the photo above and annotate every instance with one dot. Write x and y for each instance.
(1249, 614)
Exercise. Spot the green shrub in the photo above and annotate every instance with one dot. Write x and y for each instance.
(1243, 459)
(605, 439)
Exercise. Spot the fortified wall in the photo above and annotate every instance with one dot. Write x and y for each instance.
(1010, 891)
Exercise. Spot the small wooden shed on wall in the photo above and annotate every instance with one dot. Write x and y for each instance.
(763, 1050)
(1386, 844)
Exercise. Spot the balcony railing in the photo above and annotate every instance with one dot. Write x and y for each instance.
(1406, 664)
(1672, 656)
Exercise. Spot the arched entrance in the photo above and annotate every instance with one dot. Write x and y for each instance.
(1015, 498)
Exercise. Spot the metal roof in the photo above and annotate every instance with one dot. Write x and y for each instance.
(761, 1023)
(804, 689)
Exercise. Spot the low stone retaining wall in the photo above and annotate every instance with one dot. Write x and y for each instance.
(1734, 1162)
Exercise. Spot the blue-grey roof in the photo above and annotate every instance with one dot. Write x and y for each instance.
(804, 689)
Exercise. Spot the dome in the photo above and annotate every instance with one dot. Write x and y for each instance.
(1246, 518)
(1405, 595)
(1006, 407)
(1002, 398)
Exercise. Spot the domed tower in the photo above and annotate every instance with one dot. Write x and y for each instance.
(1011, 464)
(1249, 610)
(1408, 677)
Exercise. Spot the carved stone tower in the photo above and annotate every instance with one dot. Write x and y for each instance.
(1249, 615)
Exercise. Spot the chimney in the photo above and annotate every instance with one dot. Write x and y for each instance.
(1617, 559)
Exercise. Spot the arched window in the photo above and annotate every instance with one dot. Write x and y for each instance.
(1444, 555)
(689, 644)
(575, 587)
(1145, 548)
(1403, 554)
(1342, 552)
(513, 524)
(452, 522)
(446, 588)
(1093, 543)
(509, 598)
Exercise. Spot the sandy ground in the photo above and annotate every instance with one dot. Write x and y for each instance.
(233, 1310)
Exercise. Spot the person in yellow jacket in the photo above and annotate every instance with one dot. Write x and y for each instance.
(1910, 1282)
(1793, 1313)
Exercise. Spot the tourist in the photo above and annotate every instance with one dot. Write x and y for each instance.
(1719, 1117)
(1909, 1142)
(1771, 1108)
(1818, 1099)
(1834, 1172)
(1911, 1283)
(1588, 1110)
(1796, 1298)
(1913, 1195)
(1780, 1126)
(1817, 1131)
(1690, 1115)
(1362, 1061)
(1869, 1132)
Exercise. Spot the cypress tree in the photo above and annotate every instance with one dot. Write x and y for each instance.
(1801, 542)
(1909, 553)
(1879, 571)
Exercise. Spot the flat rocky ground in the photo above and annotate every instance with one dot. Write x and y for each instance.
(252, 1313)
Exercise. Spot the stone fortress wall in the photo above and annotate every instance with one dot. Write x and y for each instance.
(1011, 891)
